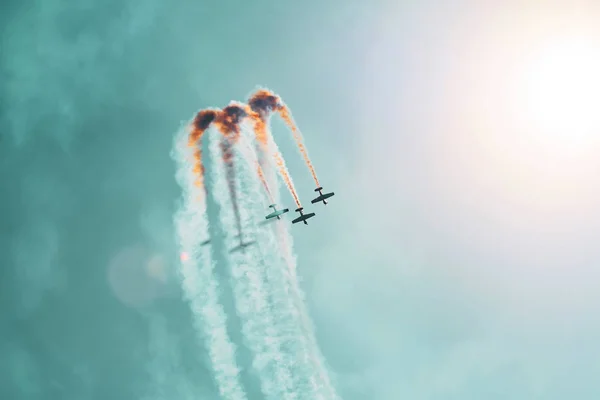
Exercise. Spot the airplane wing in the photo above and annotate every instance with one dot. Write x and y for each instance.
(277, 213)
(322, 197)
(237, 248)
(242, 246)
(303, 218)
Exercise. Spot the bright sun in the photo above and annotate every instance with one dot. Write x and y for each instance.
(561, 90)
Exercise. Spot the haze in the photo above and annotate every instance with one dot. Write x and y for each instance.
(456, 261)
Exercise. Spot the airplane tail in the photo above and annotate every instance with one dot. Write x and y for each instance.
(299, 209)
(318, 189)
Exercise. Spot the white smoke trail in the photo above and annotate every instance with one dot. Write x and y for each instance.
(278, 275)
(200, 286)
(250, 294)
(297, 303)
(288, 300)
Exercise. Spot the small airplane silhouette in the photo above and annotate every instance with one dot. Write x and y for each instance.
(321, 196)
(276, 213)
(302, 217)
(241, 246)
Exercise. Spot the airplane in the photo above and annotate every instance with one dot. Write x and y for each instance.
(276, 213)
(303, 217)
(242, 246)
(321, 196)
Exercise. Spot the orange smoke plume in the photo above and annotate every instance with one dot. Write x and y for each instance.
(264, 102)
(228, 122)
(286, 115)
(261, 105)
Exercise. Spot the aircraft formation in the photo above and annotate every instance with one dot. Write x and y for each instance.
(228, 121)
(303, 217)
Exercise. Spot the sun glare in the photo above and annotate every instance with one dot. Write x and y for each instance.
(562, 90)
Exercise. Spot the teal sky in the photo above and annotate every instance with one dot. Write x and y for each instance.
(456, 261)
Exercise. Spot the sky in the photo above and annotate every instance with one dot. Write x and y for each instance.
(456, 261)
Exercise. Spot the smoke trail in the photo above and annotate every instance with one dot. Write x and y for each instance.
(199, 125)
(227, 155)
(286, 115)
(196, 269)
(296, 297)
(286, 293)
(252, 158)
(287, 300)
(250, 294)
(267, 296)
(263, 180)
(228, 122)
(261, 153)
(299, 346)
(259, 112)
(264, 102)
(257, 155)
(280, 162)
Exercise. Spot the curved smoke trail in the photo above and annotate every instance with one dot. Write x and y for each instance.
(200, 285)
(264, 102)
